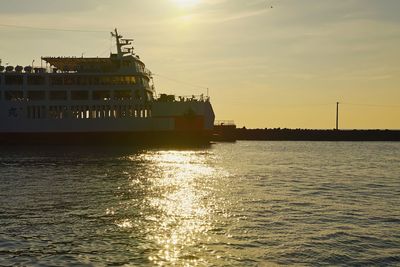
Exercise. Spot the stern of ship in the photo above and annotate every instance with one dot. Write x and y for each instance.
(191, 118)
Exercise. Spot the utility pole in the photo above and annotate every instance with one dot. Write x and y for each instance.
(337, 116)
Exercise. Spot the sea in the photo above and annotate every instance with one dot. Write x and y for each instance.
(247, 203)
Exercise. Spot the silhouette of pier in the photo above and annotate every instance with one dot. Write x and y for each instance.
(230, 133)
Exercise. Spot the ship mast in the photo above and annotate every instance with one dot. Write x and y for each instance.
(121, 43)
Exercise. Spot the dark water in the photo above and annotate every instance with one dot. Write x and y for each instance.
(243, 204)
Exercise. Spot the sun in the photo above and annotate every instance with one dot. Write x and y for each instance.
(186, 3)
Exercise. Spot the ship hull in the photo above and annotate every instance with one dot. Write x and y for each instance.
(146, 138)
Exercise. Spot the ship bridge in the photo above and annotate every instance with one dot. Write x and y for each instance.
(124, 61)
(74, 64)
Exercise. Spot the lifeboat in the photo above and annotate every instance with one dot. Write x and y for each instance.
(28, 69)
(19, 68)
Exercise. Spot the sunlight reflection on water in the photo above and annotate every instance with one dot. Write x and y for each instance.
(182, 204)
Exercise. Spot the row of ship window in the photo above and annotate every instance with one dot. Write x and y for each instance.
(73, 80)
(87, 112)
(17, 95)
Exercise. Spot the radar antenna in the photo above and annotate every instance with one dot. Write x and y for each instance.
(121, 43)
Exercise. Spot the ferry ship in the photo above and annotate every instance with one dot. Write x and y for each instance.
(79, 100)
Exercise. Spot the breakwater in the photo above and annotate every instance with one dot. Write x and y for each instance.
(278, 134)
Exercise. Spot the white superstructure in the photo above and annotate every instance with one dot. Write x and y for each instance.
(87, 97)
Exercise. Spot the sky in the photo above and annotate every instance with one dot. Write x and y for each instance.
(266, 64)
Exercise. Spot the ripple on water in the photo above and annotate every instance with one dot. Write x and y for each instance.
(243, 204)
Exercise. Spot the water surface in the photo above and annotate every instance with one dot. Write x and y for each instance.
(243, 204)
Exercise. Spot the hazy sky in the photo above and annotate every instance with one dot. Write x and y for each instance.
(284, 66)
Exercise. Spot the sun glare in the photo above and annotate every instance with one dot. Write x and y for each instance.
(186, 3)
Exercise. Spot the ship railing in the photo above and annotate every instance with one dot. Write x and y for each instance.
(199, 98)
(147, 72)
(141, 69)
(224, 123)
(190, 98)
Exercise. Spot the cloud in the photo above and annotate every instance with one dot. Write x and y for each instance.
(47, 6)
